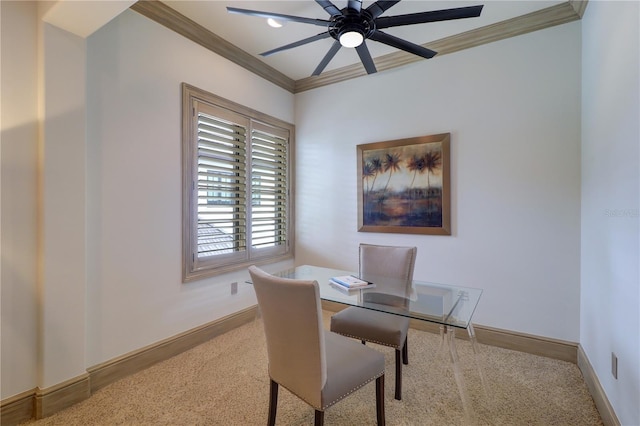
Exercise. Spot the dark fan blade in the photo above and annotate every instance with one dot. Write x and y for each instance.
(402, 44)
(366, 59)
(279, 16)
(355, 5)
(329, 7)
(297, 43)
(434, 16)
(327, 58)
(381, 6)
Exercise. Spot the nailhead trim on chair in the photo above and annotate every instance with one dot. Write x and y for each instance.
(352, 390)
(341, 397)
(370, 341)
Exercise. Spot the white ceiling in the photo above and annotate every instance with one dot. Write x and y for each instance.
(82, 18)
(253, 35)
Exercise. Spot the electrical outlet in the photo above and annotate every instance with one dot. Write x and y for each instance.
(614, 365)
(234, 288)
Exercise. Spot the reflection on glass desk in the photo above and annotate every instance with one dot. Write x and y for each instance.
(451, 307)
(438, 303)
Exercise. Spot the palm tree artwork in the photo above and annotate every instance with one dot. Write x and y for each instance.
(403, 185)
(371, 169)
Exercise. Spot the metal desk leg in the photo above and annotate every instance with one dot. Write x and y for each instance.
(457, 372)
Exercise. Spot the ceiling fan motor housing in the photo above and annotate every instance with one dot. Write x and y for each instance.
(352, 21)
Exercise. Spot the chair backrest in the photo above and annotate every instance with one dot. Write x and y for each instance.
(292, 317)
(388, 261)
(393, 262)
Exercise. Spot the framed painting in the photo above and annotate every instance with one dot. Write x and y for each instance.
(404, 186)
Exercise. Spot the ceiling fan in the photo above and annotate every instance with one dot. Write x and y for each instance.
(352, 25)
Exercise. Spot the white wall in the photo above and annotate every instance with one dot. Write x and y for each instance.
(513, 111)
(62, 199)
(18, 152)
(610, 297)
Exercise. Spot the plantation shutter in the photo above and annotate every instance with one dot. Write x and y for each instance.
(269, 188)
(236, 186)
(221, 183)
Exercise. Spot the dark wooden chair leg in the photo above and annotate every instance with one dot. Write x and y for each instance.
(319, 418)
(273, 403)
(380, 400)
(405, 351)
(398, 374)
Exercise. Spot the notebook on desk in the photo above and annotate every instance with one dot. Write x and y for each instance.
(349, 282)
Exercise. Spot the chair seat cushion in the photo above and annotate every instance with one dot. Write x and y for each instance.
(350, 366)
(372, 326)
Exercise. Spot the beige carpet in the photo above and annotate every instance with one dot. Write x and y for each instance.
(225, 382)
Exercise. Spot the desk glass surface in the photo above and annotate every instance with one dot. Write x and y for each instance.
(437, 303)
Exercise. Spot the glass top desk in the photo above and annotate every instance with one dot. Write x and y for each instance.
(451, 307)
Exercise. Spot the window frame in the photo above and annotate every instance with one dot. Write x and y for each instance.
(194, 268)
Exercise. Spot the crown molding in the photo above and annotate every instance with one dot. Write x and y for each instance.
(175, 21)
(562, 13)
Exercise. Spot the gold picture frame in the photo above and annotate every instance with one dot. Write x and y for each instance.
(404, 186)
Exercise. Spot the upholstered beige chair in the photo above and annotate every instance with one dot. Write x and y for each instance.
(378, 263)
(318, 366)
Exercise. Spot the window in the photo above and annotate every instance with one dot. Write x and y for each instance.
(237, 204)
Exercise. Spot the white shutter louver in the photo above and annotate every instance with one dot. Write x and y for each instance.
(269, 195)
(221, 184)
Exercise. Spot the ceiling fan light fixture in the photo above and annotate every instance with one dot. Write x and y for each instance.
(351, 39)
(274, 24)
